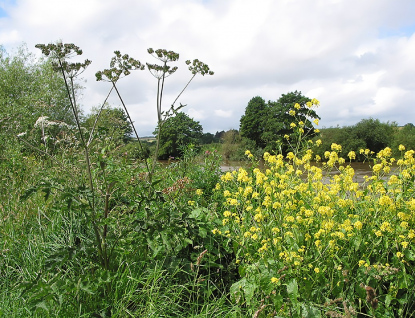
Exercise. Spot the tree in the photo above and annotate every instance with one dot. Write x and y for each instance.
(279, 118)
(29, 90)
(266, 123)
(375, 134)
(112, 123)
(252, 123)
(177, 132)
(209, 138)
(405, 136)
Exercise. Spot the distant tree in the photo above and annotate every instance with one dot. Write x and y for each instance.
(345, 136)
(231, 143)
(404, 136)
(375, 134)
(219, 135)
(266, 123)
(29, 89)
(209, 138)
(112, 123)
(253, 122)
(278, 118)
(177, 132)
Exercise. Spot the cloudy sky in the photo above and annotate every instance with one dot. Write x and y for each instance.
(356, 56)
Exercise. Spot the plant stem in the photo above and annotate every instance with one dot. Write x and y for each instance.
(131, 122)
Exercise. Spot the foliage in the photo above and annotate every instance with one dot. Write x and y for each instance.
(29, 89)
(366, 134)
(252, 123)
(272, 122)
(375, 134)
(209, 138)
(178, 131)
(310, 244)
(404, 136)
(86, 233)
(107, 210)
(112, 123)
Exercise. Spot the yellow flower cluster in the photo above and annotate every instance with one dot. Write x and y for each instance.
(294, 213)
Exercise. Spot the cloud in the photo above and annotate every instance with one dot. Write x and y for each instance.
(223, 113)
(355, 57)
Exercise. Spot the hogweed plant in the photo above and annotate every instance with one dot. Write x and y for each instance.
(96, 199)
(308, 245)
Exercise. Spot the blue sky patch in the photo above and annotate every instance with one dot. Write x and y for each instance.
(406, 30)
(3, 13)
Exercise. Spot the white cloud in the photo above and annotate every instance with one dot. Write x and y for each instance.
(338, 51)
(223, 113)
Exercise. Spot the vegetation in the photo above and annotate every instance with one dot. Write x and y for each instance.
(266, 124)
(178, 131)
(368, 133)
(89, 230)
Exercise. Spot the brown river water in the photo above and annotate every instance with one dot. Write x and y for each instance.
(361, 169)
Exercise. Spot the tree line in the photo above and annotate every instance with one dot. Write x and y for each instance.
(30, 90)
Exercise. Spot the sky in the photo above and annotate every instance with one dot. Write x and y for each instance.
(357, 57)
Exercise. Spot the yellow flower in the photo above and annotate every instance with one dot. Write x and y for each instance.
(292, 112)
(404, 244)
(274, 280)
(317, 270)
(316, 121)
(297, 106)
(361, 263)
(227, 214)
(191, 202)
(199, 191)
(351, 155)
(358, 225)
(293, 125)
(399, 254)
(377, 167)
(401, 148)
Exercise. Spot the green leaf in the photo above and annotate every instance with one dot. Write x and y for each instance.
(202, 232)
(292, 288)
(42, 305)
(309, 311)
(388, 300)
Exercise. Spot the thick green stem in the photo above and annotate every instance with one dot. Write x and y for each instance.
(88, 163)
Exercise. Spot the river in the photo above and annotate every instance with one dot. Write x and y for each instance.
(361, 169)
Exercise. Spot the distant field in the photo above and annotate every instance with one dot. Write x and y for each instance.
(148, 138)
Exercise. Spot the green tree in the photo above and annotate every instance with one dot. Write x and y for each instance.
(266, 123)
(209, 138)
(278, 118)
(404, 136)
(177, 132)
(375, 134)
(345, 136)
(29, 89)
(252, 123)
(112, 123)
